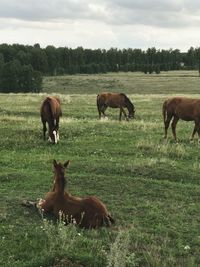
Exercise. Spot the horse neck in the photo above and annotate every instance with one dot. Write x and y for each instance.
(129, 105)
(59, 184)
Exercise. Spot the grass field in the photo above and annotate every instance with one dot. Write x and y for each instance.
(151, 186)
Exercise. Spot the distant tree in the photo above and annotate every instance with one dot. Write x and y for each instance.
(157, 69)
(39, 60)
(20, 78)
(191, 58)
(8, 52)
(37, 81)
(145, 68)
(52, 60)
(150, 68)
(10, 72)
(1, 66)
(23, 57)
(29, 80)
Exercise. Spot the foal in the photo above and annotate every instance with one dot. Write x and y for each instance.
(88, 212)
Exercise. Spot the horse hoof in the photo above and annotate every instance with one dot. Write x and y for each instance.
(27, 203)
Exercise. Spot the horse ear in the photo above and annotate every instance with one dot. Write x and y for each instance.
(54, 163)
(66, 164)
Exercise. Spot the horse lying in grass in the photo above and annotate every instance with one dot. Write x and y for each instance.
(187, 109)
(88, 212)
(50, 112)
(115, 100)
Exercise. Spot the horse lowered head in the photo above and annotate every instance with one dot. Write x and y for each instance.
(131, 110)
(53, 136)
(131, 113)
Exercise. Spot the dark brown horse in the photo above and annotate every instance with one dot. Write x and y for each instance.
(115, 100)
(88, 212)
(50, 113)
(183, 108)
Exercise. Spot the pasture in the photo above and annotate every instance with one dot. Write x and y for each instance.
(150, 185)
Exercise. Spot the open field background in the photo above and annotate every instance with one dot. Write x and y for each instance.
(151, 186)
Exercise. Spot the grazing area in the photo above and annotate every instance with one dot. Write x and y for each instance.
(151, 186)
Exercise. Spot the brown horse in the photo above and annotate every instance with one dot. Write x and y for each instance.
(50, 112)
(115, 100)
(183, 108)
(88, 212)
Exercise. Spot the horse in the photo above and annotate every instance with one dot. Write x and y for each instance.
(115, 100)
(88, 212)
(50, 112)
(187, 109)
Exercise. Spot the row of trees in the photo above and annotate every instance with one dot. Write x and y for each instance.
(22, 67)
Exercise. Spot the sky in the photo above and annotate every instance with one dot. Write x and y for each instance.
(101, 24)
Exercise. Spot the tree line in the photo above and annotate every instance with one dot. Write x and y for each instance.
(22, 66)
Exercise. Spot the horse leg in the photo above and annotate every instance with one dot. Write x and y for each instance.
(44, 129)
(57, 128)
(29, 204)
(198, 131)
(197, 128)
(122, 110)
(99, 110)
(167, 122)
(103, 109)
(120, 114)
(174, 122)
(194, 130)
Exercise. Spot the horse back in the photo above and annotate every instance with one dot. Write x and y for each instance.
(183, 107)
(51, 106)
(111, 99)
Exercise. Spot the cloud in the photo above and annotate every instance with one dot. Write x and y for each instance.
(101, 24)
(159, 13)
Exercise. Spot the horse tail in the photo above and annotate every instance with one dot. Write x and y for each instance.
(98, 104)
(164, 110)
(97, 100)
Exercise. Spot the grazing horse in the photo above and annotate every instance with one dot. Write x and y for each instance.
(88, 212)
(115, 100)
(50, 112)
(187, 109)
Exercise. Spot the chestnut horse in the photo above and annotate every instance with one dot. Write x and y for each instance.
(115, 100)
(88, 212)
(50, 112)
(187, 109)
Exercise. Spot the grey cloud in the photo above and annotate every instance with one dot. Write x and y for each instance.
(42, 10)
(160, 13)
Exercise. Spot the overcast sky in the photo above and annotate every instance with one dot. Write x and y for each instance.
(94, 24)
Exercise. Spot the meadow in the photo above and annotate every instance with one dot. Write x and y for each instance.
(151, 186)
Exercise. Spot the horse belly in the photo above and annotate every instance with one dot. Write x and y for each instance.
(185, 113)
(113, 104)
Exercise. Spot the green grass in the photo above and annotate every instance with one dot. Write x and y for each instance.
(151, 186)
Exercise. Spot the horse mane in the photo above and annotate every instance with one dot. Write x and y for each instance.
(128, 102)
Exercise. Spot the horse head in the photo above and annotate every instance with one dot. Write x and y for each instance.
(59, 174)
(131, 111)
(53, 136)
(129, 105)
